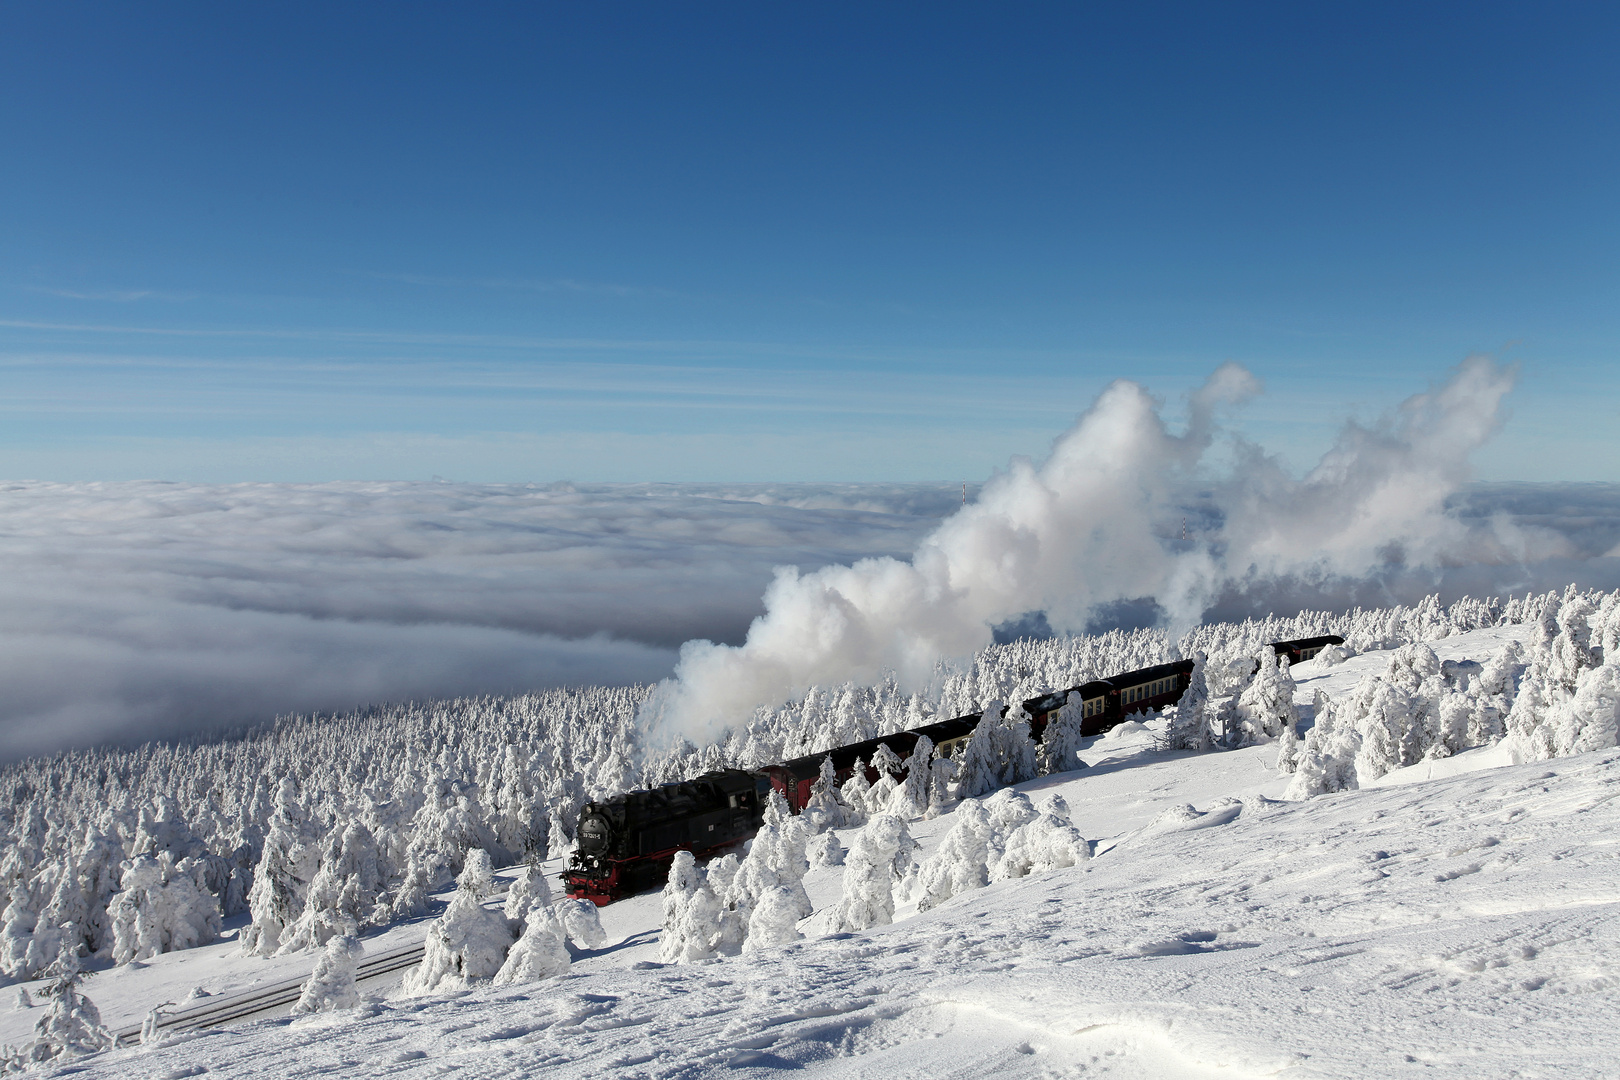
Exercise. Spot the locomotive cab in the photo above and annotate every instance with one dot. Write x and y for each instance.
(625, 845)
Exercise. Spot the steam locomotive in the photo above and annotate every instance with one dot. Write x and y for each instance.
(626, 844)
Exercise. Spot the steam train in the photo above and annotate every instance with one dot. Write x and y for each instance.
(626, 844)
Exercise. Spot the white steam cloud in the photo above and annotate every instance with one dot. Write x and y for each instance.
(1096, 523)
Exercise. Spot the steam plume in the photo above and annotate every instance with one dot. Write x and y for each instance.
(1087, 527)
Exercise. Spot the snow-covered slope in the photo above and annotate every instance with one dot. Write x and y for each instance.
(1466, 926)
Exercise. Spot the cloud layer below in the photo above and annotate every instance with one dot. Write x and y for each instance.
(141, 610)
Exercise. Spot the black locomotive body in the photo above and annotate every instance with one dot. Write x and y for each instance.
(625, 845)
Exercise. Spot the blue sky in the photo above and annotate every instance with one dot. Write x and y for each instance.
(731, 242)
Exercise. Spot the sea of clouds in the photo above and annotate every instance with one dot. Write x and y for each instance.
(142, 610)
(145, 610)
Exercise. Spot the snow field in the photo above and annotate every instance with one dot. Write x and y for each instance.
(1467, 925)
(1302, 926)
(1183, 837)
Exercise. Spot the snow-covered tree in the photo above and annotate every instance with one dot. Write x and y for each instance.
(449, 824)
(1007, 810)
(854, 792)
(885, 762)
(911, 798)
(1047, 842)
(71, 1027)
(961, 862)
(691, 914)
(1189, 726)
(521, 824)
(1060, 741)
(468, 943)
(826, 808)
(1587, 720)
(775, 860)
(774, 922)
(825, 850)
(582, 923)
(941, 777)
(161, 909)
(281, 880)
(26, 947)
(98, 861)
(980, 771)
(1019, 756)
(342, 899)
(1266, 705)
(331, 985)
(527, 889)
(540, 952)
(882, 855)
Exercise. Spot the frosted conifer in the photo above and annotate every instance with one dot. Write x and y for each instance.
(881, 856)
(691, 914)
(1266, 705)
(581, 922)
(331, 985)
(961, 862)
(911, 799)
(1060, 741)
(468, 942)
(528, 888)
(281, 880)
(1189, 730)
(774, 922)
(540, 953)
(71, 1026)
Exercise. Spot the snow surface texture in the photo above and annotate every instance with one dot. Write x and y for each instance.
(1467, 926)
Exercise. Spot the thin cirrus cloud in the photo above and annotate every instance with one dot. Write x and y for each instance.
(540, 285)
(117, 296)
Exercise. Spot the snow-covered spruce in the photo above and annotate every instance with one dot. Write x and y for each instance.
(881, 857)
(961, 862)
(691, 926)
(1047, 842)
(469, 942)
(71, 1026)
(581, 922)
(1189, 720)
(330, 986)
(161, 908)
(1060, 742)
(775, 864)
(541, 951)
(527, 889)
(1265, 708)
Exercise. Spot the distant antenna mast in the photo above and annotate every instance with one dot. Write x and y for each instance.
(1184, 529)
(964, 493)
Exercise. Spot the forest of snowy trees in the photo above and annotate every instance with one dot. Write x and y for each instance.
(318, 828)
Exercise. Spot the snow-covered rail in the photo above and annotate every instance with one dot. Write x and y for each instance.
(225, 1010)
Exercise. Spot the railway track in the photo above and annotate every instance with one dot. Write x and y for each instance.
(225, 1010)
